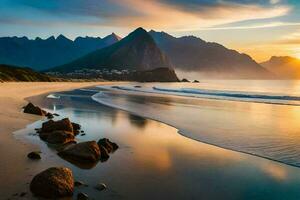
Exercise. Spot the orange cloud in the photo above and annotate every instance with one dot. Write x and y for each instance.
(155, 14)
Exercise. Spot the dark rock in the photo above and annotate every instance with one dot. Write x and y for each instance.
(53, 183)
(82, 152)
(23, 194)
(55, 114)
(185, 80)
(83, 134)
(32, 109)
(101, 186)
(76, 126)
(115, 146)
(196, 81)
(104, 153)
(79, 183)
(38, 130)
(82, 131)
(82, 196)
(34, 155)
(60, 125)
(137, 86)
(108, 145)
(49, 115)
(59, 137)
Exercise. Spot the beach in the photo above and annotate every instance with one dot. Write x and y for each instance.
(154, 160)
(14, 152)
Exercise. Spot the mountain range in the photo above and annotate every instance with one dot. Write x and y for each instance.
(40, 54)
(190, 53)
(137, 51)
(140, 50)
(284, 67)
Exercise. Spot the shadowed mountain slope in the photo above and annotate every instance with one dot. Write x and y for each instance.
(13, 73)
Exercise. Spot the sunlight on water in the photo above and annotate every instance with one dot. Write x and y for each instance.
(264, 129)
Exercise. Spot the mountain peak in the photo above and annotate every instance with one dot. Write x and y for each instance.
(112, 38)
(140, 33)
(139, 30)
(282, 58)
(62, 38)
(115, 36)
(51, 38)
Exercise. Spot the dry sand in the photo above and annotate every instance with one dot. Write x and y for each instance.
(14, 152)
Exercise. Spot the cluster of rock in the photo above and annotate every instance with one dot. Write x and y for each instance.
(187, 81)
(35, 110)
(63, 132)
(59, 132)
(89, 152)
(58, 182)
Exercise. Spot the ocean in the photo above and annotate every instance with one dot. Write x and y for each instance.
(251, 116)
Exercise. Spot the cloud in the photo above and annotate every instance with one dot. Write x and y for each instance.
(173, 15)
(157, 14)
(274, 1)
(254, 26)
(291, 39)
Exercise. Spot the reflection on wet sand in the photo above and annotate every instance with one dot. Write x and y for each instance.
(155, 162)
(137, 121)
(276, 171)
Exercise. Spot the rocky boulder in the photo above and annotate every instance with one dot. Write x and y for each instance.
(35, 110)
(57, 137)
(108, 145)
(104, 153)
(34, 155)
(76, 128)
(53, 183)
(60, 125)
(81, 152)
(49, 115)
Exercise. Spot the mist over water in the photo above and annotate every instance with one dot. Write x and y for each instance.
(256, 117)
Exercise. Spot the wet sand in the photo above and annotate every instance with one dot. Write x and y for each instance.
(155, 162)
(14, 173)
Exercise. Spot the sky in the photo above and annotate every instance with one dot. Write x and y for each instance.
(260, 28)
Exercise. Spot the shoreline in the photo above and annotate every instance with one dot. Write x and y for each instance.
(20, 174)
(13, 97)
(206, 157)
(181, 132)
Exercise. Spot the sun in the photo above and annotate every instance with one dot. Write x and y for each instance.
(296, 52)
